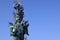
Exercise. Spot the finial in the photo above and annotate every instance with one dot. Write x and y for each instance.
(18, 5)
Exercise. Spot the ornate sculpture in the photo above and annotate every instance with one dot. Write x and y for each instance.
(20, 27)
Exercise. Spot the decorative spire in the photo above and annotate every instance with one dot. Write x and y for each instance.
(20, 26)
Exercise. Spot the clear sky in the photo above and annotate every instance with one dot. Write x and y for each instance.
(43, 16)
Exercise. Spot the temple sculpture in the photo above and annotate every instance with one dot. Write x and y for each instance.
(20, 27)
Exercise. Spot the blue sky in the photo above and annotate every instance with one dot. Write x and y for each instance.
(43, 16)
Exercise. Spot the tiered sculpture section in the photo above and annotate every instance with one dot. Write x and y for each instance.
(20, 27)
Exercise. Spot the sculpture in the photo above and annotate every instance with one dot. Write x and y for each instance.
(20, 26)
